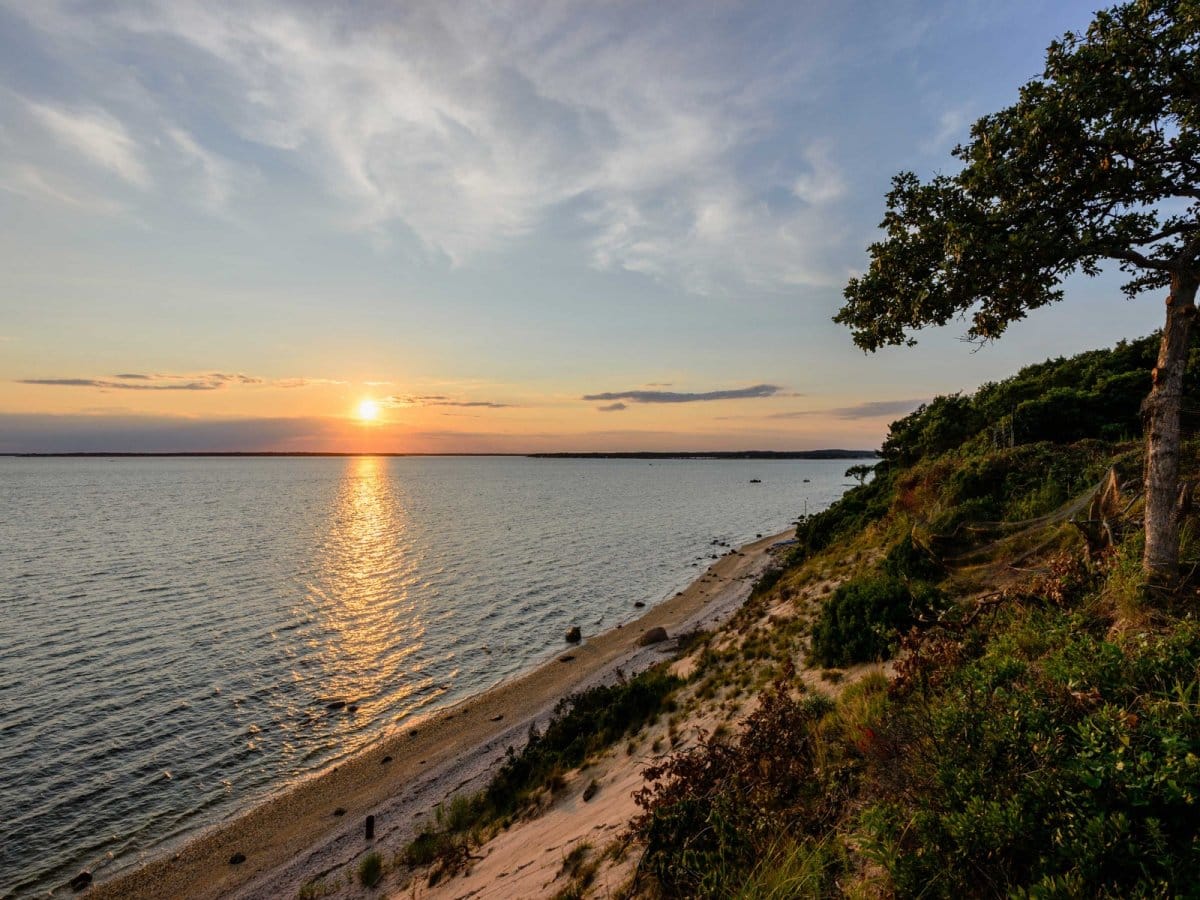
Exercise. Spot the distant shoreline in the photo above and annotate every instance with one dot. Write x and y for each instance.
(635, 454)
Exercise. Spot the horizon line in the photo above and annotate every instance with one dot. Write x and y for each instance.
(665, 454)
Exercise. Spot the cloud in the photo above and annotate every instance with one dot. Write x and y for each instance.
(871, 409)
(123, 385)
(304, 382)
(399, 401)
(99, 137)
(30, 181)
(612, 407)
(822, 183)
(657, 141)
(165, 381)
(756, 391)
(952, 127)
(212, 174)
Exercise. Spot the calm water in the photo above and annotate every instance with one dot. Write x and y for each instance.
(172, 631)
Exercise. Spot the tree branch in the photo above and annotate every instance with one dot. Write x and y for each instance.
(1166, 233)
(1137, 259)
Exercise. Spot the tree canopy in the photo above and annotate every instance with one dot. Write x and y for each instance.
(1099, 159)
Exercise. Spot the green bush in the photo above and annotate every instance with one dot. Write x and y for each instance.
(909, 561)
(582, 724)
(370, 870)
(1053, 762)
(864, 618)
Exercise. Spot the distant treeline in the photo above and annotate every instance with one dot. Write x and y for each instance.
(724, 454)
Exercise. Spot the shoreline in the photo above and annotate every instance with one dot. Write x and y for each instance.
(295, 836)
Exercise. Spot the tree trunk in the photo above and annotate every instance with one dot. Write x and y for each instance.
(1161, 559)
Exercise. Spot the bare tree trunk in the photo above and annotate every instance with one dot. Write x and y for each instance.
(1161, 559)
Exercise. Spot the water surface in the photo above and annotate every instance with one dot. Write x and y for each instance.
(173, 631)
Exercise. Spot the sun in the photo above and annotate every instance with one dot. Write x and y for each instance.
(368, 410)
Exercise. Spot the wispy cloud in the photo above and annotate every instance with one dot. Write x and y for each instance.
(212, 174)
(120, 385)
(871, 409)
(167, 381)
(99, 137)
(472, 131)
(305, 382)
(399, 401)
(34, 182)
(822, 182)
(639, 396)
(612, 407)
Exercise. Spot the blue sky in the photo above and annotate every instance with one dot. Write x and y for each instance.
(509, 206)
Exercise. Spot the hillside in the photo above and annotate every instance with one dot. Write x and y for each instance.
(953, 684)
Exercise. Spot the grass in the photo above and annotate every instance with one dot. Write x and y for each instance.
(370, 870)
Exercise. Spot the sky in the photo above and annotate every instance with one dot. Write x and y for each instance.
(485, 227)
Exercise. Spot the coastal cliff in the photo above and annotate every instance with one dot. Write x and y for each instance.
(955, 683)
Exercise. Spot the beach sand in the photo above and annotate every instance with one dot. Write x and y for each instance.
(295, 837)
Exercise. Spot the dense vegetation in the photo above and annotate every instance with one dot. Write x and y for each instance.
(1040, 733)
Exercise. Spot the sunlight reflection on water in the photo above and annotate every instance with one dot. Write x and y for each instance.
(198, 617)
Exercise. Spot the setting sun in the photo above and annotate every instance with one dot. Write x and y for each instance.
(368, 410)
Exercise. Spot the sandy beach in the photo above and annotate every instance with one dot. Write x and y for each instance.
(318, 826)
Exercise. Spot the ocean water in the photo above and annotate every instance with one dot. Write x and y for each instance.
(172, 631)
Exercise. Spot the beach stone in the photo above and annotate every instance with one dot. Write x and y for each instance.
(336, 704)
(566, 657)
(237, 859)
(498, 717)
(340, 811)
(353, 707)
(81, 881)
(639, 604)
(370, 828)
(653, 636)
(385, 760)
(574, 635)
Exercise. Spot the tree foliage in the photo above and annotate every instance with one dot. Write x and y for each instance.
(1099, 159)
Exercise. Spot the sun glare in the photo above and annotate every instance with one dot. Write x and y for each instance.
(368, 410)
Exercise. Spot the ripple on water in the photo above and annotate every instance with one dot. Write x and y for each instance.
(194, 616)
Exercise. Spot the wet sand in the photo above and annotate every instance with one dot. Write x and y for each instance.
(295, 837)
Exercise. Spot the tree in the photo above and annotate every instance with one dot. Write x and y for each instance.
(860, 472)
(1097, 161)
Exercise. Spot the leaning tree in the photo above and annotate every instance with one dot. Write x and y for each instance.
(1097, 161)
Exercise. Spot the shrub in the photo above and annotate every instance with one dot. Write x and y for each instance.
(370, 870)
(909, 561)
(713, 811)
(767, 580)
(863, 619)
(582, 724)
(1046, 759)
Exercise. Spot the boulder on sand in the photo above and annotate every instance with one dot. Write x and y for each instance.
(653, 636)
